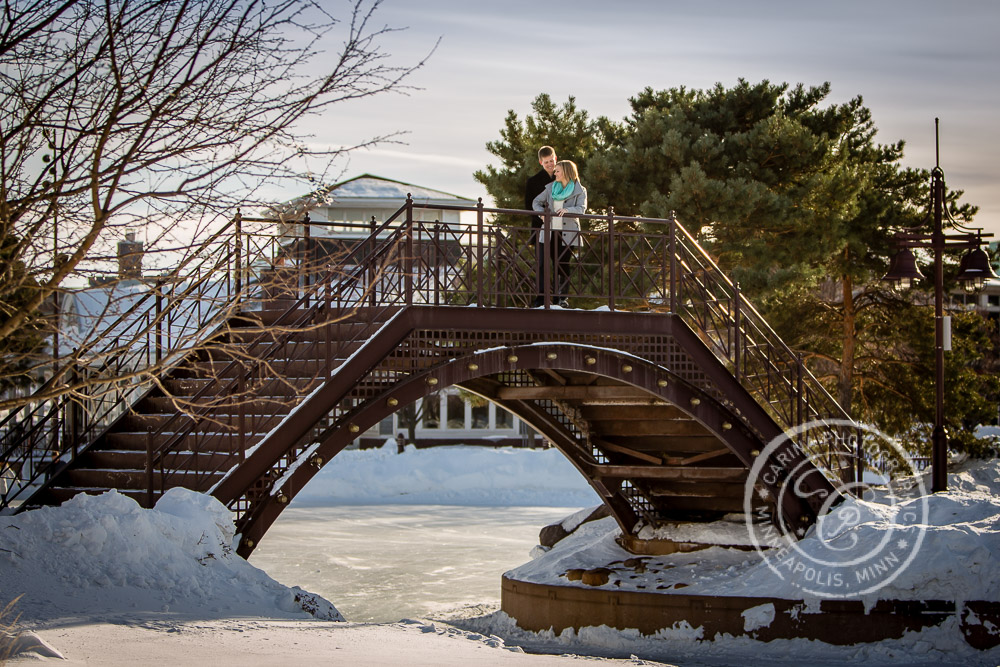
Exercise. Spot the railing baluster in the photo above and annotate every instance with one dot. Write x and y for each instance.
(408, 260)
(306, 261)
(613, 265)
(149, 467)
(433, 268)
(545, 247)
(737, 342)
(238, 261)
(672, 231)
(480, 267)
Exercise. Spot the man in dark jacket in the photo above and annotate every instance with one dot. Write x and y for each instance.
(532, 188)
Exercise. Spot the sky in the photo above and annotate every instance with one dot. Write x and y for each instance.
(910, 61)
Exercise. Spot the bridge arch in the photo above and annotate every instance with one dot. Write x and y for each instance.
(604, 376)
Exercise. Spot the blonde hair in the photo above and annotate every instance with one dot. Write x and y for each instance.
(569, 169)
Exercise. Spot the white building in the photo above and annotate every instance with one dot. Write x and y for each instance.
(345, 210)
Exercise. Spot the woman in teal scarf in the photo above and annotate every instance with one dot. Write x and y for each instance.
(562, 197)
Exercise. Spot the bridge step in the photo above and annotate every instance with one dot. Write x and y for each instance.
(163, 405)
(56, 496)
(202, 442)
(249, 353)
(627, 413)
(136, 460)
(675, 428)
(365, 315)
(136, 479)
(262, 337)
(214, 422)
(303, 368)
(290, 386)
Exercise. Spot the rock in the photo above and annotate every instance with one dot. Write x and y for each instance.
(549, 535)
(596, 577)
(26, 643)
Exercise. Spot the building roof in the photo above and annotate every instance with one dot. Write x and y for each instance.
(370, 186)
(364, 190)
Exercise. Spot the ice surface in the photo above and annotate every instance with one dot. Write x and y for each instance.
(105, 578)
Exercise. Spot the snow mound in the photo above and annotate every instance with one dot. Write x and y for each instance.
(105, 557)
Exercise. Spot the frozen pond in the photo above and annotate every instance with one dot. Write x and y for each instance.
(382, 563)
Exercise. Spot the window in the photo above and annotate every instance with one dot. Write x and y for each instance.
(456, 411)
(427, 214)
(481, 416)
(504, 419)
(993, 299)
(432, 411)
(385, 426)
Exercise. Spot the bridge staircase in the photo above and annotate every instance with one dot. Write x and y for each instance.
(663, 388)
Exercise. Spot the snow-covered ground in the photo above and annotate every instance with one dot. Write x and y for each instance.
(106, 582)
(455, 475)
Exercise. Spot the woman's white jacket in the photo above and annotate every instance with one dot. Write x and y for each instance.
(575, 203)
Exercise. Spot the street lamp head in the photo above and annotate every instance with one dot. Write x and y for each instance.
(903, 271)
(974, 270)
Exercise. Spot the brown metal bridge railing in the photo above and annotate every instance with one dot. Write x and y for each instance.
(476, 264)
(406, 261)
(179, 310)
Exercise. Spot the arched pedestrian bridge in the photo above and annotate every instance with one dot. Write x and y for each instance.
(660, 382)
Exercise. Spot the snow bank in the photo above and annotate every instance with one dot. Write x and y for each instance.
(957, 555)
(106, 557)
(936, 646)
(452, 475)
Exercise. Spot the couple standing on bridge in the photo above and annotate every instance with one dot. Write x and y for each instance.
(555, 188)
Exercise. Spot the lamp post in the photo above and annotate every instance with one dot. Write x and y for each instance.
(974, 271)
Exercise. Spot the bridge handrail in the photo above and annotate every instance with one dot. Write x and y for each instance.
(303, 311)
(56, 426)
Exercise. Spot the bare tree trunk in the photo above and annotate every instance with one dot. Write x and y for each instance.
(846, 375)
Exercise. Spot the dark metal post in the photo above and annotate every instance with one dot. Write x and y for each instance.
(305, 265)
(238, 259)
(673, 262)
(434, 262)
(799, 390)
(56, 261)
(158, 314)
(149, 468)
(242, 390)
(859, 457)
(371, 262)
(613, 266)
(408, 260)
(939, 439)
(479, 253)
(737, 333)
(546, 247)
(76, 409)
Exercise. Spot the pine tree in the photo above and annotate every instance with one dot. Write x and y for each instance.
(796, 201)
(566, 128)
